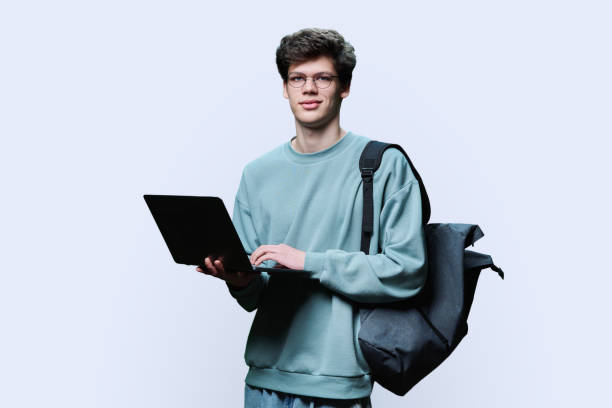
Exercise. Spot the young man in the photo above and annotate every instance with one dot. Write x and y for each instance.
(299, 206)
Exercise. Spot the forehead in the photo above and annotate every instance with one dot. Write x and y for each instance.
(322, 63)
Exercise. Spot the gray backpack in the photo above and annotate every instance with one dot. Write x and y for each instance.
(404, 341)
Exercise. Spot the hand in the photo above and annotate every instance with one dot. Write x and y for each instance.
(285, 255)
(217, 269)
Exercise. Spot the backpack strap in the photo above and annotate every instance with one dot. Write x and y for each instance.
(369, 162)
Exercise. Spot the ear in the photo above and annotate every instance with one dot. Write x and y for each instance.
(285, 94)
(345, 92)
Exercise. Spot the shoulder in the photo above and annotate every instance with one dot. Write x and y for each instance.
(395, 165)
(264, 164)
(256, 172)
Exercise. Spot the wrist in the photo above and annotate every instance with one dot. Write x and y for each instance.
(236, 287)
(240, 283)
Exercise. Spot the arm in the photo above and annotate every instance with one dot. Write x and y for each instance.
(398, 272)
(248, 297)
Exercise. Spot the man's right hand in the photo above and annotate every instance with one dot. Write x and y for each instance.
(215, 268)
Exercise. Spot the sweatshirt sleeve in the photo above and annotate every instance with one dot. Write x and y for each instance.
(397, 272)
(249, 296)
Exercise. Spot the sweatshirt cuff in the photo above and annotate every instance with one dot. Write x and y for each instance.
(315, 263)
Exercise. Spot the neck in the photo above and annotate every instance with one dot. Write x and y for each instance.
(310, 140)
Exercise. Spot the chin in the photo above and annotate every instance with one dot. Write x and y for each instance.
(311, 120)
(313, 124)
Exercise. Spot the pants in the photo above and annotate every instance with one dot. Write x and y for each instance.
(263, 398)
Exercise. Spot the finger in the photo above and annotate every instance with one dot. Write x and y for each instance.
(203, 269)
(219, 266)
(260, 251)
(266, 257)
(264, 249)
(210, 266)
(254, 255)
(256, 258)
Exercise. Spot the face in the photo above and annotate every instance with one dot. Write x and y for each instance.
(314, 107)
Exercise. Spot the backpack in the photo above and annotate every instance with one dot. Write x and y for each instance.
(404, 341)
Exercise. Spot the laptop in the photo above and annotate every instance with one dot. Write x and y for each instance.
(195, 227)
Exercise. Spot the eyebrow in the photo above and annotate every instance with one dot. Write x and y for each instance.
(316, 73)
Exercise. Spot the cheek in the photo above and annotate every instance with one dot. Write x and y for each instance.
(331, 103)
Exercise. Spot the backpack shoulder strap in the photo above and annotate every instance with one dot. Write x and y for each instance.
(369, 162)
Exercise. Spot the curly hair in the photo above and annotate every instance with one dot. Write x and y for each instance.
(310, 43)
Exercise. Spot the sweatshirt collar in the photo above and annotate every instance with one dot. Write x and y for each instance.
(308, 158)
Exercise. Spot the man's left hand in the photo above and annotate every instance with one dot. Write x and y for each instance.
(283, 254)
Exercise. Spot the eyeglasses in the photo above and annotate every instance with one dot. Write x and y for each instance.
(322, 81)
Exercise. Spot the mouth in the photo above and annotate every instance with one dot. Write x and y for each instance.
(309, 105)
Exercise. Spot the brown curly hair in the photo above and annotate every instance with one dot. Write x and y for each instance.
(310, 43)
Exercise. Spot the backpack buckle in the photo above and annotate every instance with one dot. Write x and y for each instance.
(367, 173)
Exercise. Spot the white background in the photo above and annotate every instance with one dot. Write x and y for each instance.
(504, 106)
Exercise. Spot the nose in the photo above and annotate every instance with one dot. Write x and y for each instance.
(310, 86)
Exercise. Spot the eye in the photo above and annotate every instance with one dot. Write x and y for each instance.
(296, 78)
(323, 80)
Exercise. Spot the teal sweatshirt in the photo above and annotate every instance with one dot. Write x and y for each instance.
(303, 339)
